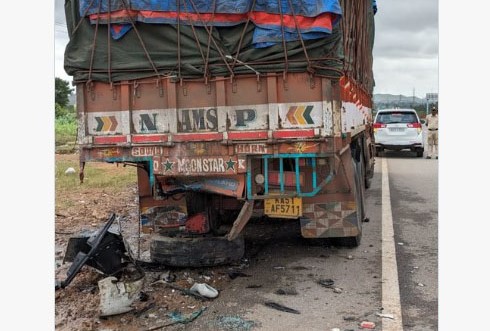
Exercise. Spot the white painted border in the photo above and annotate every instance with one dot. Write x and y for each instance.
(390, 287)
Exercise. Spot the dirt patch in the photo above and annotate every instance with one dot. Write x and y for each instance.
(77, 305)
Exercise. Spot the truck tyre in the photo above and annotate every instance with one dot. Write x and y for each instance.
(195, 252)
(367, 179)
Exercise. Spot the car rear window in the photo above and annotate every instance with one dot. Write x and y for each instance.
(396, 117)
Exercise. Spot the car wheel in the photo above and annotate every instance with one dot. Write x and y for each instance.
(196, 252)
(420, 152)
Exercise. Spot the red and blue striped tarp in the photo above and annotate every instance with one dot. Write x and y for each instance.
(311, 18)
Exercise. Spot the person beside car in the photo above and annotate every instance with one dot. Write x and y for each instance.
(432, 123)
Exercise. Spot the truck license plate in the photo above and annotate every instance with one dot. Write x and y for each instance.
(284, 207)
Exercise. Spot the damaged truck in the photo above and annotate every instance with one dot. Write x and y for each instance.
(228, 110)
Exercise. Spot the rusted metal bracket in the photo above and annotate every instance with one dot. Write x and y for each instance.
(159, 86)
(241, 220)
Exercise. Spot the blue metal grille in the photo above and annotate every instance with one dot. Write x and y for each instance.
(310, 160)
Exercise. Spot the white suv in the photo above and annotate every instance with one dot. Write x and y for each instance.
(398, 129)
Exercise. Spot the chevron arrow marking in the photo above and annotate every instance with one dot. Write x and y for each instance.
(298, 114)
(290, 115)
(114, 123)
(100, 124)
(307, 115)
(106, 123)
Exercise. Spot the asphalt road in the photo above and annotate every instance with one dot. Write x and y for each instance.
(414, 201)
(279, 260)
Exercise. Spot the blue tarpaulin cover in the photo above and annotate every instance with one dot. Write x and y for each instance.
(313, 19)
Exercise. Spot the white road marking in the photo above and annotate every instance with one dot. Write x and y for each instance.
(390, 288)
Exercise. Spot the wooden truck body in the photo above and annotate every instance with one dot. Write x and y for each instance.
(215, 149)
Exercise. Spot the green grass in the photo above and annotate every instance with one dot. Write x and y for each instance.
(65, 131)
(97, 175)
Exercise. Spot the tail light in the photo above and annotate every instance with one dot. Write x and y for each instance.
(377, 126)
(415, 125)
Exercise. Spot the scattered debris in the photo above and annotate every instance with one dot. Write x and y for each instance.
(168, 277)
(420, 284)
(205, 290)
(326, 282)
(143, 310)
(116, 296)
(367, 325)
(234, 323)
(235, 274)
(280, 307)
(181, 289)
(279, 267)
(337, 290)
(104, 250)
(349, 318)
(177, 317)
(401, 244)
(335, 329)
(286, 291)
(390, 316)
(254, 286)
(350, 257)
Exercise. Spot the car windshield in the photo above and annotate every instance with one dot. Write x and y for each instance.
(396, 117)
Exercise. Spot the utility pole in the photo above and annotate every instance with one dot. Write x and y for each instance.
(431, 97)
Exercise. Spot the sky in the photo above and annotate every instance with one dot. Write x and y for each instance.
(406, 46)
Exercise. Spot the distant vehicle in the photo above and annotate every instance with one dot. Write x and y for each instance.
(398, 129)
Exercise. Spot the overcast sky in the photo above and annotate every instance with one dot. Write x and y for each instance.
(405, 49)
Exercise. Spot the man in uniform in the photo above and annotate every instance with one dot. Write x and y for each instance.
(432, 123)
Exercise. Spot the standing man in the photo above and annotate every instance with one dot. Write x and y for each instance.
(432, 123)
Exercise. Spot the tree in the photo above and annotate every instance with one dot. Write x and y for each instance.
(62, 91)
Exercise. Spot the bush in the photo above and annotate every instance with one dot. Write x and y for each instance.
(65, 126)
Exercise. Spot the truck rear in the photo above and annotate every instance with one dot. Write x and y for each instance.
(228, 111)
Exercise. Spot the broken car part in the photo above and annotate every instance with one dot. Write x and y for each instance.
(104, 251)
